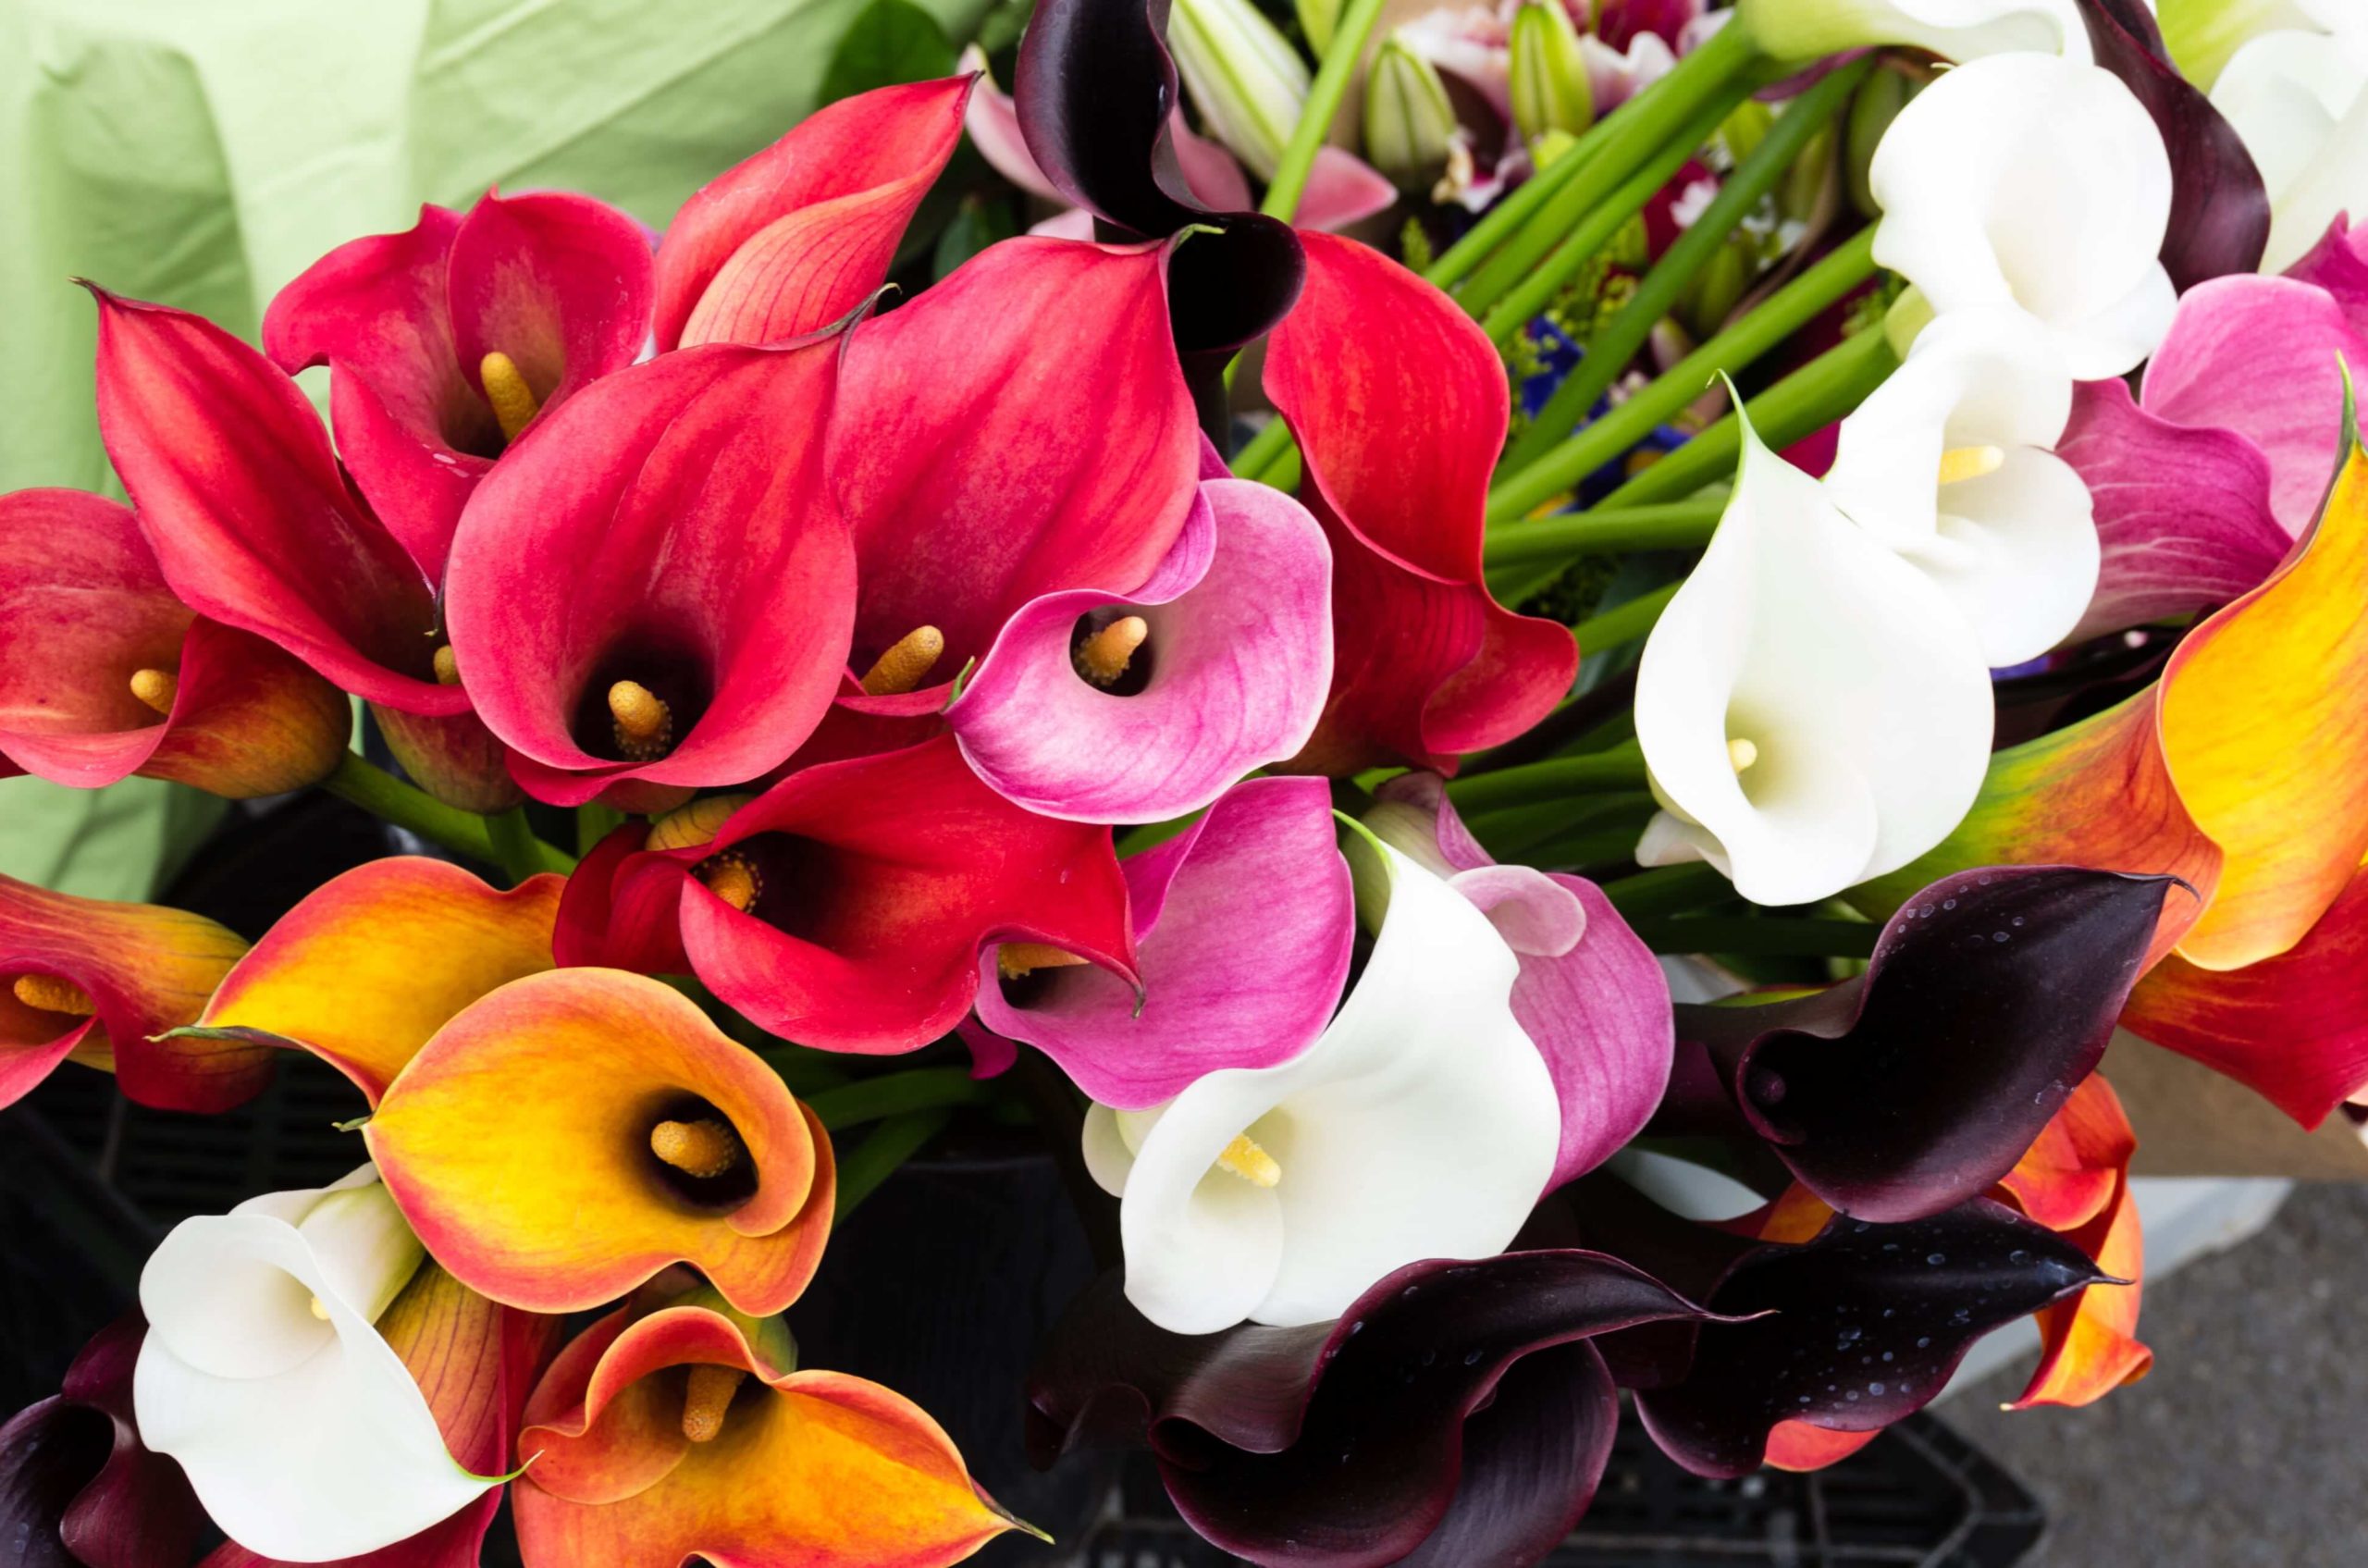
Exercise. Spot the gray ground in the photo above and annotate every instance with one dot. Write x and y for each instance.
(2247, 1447)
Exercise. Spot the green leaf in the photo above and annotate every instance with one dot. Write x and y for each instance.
(978, 222)
(1001, 28)
(890, 42)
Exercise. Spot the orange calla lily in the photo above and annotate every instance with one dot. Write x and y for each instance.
(568, 1136)
(97, 982)
(654, 1439)
(2243, 769)
(373, 962)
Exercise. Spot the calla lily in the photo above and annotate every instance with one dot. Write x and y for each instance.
(1457, 1412)
(373, 962)
(789, 241)
(2294, 93)
(1947, 461)
(77, 1487)
(1814, 709)
(1590, 994)
(2039, 183)
(685, 1147)
(1144, 705)
(655, 593)
(253, 525)
(445, 342)
(101, 983)
(846, 907)
(661, 1437)
(1422, 1123)
(1957, 30)
(1427, 664)
(104, 673)
(1243, 924)
(303, 1433)
(1970, 1055)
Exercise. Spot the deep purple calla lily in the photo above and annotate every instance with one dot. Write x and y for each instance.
(2205, 478)
(1223, 985)
(1591, 995)
(1455, 1414)
(2219, 205)
(1917, 1085)
(1230, 676)
(76, 1488)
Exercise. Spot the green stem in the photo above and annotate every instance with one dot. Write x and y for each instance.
(1262, 450)
(1625, 622)
(1324, 95)
(1668, 890)
(515, 848)
(389, 799)
(1523, 489)
(898, 1094)
(873, 1161)
(1683, 525)
(1622, 767)
(1610, 350)
(1759, 937)
(1804, 402)
(1608, 212)
(1526, 226)
(594, 823)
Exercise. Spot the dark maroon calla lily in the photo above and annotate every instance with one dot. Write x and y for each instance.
(1456, 1414)
(1399, 405)
(846, 907)
(77, 1488)
(253, 525)
(1917, 1085)
(1020, 429)
(793, 239)
(104, 673)
(667, 534)
(2219, 206)
(1851, 1332)
(557, 285)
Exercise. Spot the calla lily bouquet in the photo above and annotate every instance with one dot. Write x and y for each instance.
(1830, 581)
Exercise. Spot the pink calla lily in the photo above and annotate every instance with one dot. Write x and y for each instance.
(558, 285)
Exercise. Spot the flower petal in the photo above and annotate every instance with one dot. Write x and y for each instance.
(2072, 1171)
(1239, 656)
(2076, 1179)
(1428, 664)
(500, 1090)
(560, 283)
(249, 514)
(1243, 924)
(76, 1488)
(668, 526)
(373, 962)
(1969, 1056)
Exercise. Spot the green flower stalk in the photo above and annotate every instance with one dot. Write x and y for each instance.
(1409, 122)
(1244, 77)
(1549, 72)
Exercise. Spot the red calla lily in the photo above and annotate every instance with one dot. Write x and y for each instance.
(556, 285)
(846, 907)
(1399, 406)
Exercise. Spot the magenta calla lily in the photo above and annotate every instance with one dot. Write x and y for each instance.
(670, 530)
(557, 284)
(1230, 675)
(1223, 985)
(1590, 995)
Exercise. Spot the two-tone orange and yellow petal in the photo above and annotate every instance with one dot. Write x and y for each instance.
(572, 1134)
(653, 1439)
(98, 980)
(2074, 1181)
(373, 962)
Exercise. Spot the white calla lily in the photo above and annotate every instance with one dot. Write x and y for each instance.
(1422, 1123)
(1949, 463)
(1813, 710)
(1955, 30)
(2296, 98)
(2039, 183)
(304, 1433)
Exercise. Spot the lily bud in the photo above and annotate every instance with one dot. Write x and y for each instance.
(1877, 103)
(1244, 77)
(1408, 118)
(1549, 71)
(1957, 30)
(1318, 20)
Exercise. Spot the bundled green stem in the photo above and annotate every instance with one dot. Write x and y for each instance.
(465, 833)
(898, 1094)
(1620, 767)
(1342, 59)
